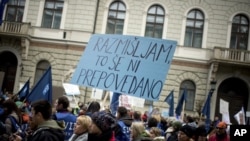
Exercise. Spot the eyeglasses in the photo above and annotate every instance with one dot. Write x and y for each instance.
(219, 128)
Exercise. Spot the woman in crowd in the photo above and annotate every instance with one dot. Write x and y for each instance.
(81, 129)
(138, 132)
(102, 126)
(10, 111)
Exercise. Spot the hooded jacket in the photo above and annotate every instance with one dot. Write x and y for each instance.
(50, 130)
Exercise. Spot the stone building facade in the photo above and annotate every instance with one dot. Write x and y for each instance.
(207, 51)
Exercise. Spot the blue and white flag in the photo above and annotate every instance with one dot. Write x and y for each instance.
(206, 110)
(43, 88)
(2, 5)
(170, 100)
(180, 103)
(114, 103)
(24, 92)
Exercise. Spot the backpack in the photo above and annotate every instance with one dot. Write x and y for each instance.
(125, 132)
(16, 127)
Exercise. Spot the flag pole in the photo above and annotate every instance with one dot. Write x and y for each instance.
(183, 110)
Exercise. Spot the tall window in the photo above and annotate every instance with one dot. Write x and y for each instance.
(190, 89)
(14, 12)
(155, 21)
(239, 33)
(194, 29)
(41, 68)
(52, 14)
(116, 16)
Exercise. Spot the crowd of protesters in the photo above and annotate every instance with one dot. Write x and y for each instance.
(93, 123)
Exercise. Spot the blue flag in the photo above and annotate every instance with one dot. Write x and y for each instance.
(43, 88)
(2, 5)
(114, 102)
(180, 103)
(170, 100)
(206, 110)
(24, 92)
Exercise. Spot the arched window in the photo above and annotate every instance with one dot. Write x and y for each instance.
(190, 89)
(155, 22)
(52, 14)
(194, 29)
(239, 33)
(15, 9)
(116, 17)
(41, 68)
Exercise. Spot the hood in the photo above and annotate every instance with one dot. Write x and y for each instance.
(127, 121)
(53, 124)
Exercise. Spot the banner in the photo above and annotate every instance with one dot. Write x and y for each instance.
(2, 5)
(43, 88)
(181, 101)
(24, 92)
(170, 100)
(132, 65)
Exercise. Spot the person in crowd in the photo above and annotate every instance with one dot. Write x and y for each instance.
(215, 121)
(124, 121)
(201, 133)
(81, 128)
(176, 125)
(190, 121)
(144, 117)
(138, 132)
(155, 134)
(63, 114)
(93, 106)
(186, 133)
(161, 122)
(45, 129)
(220, 133)
(12, 115)
(137, 116)
(83, 110)
(153, 122)
(102, 126)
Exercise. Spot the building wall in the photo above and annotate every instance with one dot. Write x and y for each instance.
(80, 21)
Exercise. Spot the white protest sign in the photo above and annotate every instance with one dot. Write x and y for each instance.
(137, 102)
(226, 118)
(97, 94)
(223, 106)
(124, 101)
(71, 89)
(133, 65)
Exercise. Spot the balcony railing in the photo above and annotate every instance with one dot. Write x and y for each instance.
(234, 55)
(14, 28)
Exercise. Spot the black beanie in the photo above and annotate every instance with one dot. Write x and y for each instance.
(188, 130)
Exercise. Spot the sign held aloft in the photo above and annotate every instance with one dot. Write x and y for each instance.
(132, 65)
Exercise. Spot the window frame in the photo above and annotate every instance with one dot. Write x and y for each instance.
(239, 34)
(118, 11)
(41, 68)
(194, 30)
(54, 11)
(155, 24)
(17, 7)
(190, 97)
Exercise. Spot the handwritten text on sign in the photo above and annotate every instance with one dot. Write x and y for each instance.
(127, 64)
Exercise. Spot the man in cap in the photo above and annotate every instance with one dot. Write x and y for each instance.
(220, 133)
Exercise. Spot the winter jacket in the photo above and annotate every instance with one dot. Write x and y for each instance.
(214, 137)
(82, 137)
(105, 136)
(49, 130)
